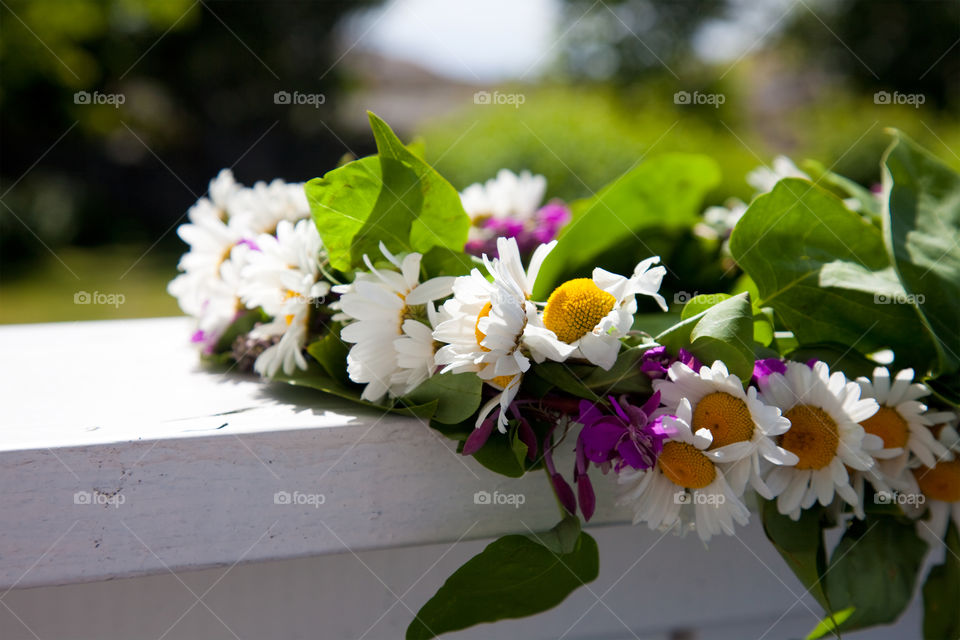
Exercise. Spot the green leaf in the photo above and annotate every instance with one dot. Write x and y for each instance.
(826, 273)
(946, 387)
(941, 593)
(724, 332)
(457, 396)
(331, 352)
(660, 192)
(800, 544)
(874, 570)
(394, 197)
(763, 327)
(922, 235)
(316, 378)
(655, 323)
(504, 453)
(830, 624)
(590, 382)
(624, 376)
(700, 303)
(567, 377)
(837, 356)
(441, 261)
(459, 432)
(869, 203)
(427, 212)
(513, 577)
(562, 538)
(340, 202)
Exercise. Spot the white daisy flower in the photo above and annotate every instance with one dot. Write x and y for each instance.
(687, 488)
(902, 420)
(382, 307)
(506, 196)
(764, 179)
(592, 315)
(824, 412)
(940, 485)
(260, 208)
(283, 278)
(416, 350)
(731, 414)
(904, 425)
(207, 287)
(488, 323)
(719, 221)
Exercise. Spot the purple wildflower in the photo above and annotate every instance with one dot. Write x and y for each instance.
(627, 437)
(550, 219)
(763, 369)
(656, 361)
(529, 231)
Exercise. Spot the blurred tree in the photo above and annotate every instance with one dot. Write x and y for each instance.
(623, 39)
(197, 84)
(910, 46)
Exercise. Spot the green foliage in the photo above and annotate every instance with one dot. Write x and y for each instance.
(513, 577)
(723, 331)
(395, 198)
(922, 235)
(504, 454)
(874, 570)
(941, 593)
(590, 382)
(457, 396)
(825, 272)
(830, 624)
(801, 545)
(666, 191)
(700, 303)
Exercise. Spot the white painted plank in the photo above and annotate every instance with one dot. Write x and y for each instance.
(187, 464)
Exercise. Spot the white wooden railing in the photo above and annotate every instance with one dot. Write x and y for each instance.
(143, 497)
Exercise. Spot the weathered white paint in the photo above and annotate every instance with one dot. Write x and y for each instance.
(186, 465)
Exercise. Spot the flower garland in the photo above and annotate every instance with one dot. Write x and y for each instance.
(794, 396)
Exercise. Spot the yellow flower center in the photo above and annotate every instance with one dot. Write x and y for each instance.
(942, 482)
(575, 308)
(727, 417)
(685, 465)
(500, 382)
(476, 327)
(889, 425)
(813, 436)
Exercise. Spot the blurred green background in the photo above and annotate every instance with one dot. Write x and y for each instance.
(92, 193)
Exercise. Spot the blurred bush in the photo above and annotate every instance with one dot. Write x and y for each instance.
(582, 139)
(197, 82)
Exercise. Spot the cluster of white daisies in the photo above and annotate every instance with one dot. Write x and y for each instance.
(489, 325)
(801, 435)
(252, 248)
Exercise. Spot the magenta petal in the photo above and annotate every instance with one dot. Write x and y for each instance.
(564, 493)
(529, 438)
(589, 413)
(588, 499)
(651, 405)
(478, 437)
(633, 456)
(600, 439)
(763, 369)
